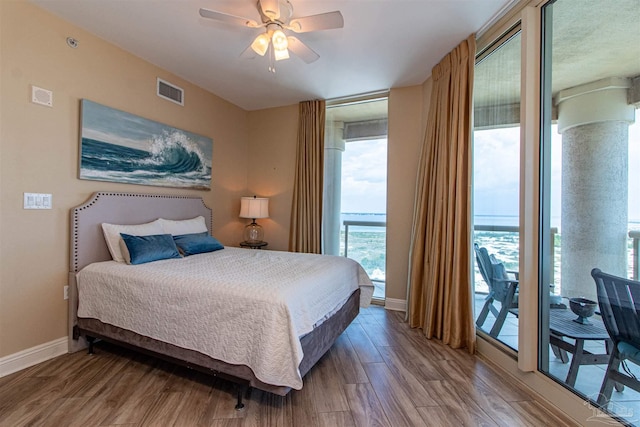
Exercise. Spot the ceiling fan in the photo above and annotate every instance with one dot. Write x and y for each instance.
(276, 17)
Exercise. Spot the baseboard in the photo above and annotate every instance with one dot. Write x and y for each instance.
(395, 304)
(32, 356)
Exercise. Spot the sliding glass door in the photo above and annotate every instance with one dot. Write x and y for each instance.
(496, 181)
(590, 168)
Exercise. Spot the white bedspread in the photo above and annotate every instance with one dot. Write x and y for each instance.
(240, 306)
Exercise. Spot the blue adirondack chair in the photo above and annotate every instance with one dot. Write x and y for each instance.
(503, 288)
(619, 302)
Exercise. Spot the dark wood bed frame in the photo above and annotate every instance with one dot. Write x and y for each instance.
(88, 245)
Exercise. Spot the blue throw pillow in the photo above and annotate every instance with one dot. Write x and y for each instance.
(197, 243)
(144, 249)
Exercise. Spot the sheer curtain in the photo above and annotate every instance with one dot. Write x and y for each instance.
(440, 296)
(306, 212)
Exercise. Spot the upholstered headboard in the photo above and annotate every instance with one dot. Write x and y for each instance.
(87, 242)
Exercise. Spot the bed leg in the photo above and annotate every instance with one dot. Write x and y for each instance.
(90, 340)
(241, 389)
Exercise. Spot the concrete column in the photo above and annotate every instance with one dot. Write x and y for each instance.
(334, 145)
(594, 122)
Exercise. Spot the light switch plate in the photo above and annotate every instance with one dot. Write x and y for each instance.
(38, 201)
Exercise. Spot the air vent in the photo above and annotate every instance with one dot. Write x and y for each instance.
(41, 96)
(170, 92)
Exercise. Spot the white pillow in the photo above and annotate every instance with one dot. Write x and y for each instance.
(185, 226)
(113, 238)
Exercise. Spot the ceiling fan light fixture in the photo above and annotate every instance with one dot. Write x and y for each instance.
(279, 40)
(280, 54)
(276, 16)
(260, 44)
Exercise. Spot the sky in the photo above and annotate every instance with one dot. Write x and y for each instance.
(364, 177)
(496, 173)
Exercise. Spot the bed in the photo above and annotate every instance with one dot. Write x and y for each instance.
(126, 304)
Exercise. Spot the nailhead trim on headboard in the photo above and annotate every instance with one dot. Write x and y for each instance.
(96, 196)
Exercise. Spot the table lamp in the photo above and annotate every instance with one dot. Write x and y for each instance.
(254, 208)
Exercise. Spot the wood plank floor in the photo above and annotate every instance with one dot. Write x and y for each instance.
(379, 373)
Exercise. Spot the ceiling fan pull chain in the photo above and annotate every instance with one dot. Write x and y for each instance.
(272, 61)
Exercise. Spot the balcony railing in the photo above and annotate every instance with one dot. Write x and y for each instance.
(633, 234)
(358, 224)
(635, 265)
(348, 224)
(516, 229)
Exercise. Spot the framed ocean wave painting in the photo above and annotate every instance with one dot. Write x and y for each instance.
(120, 147)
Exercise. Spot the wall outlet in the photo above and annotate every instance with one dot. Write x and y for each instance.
(66, 292)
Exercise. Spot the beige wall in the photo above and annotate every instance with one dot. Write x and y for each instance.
(404, 141)
(39, 153)
(272, 158)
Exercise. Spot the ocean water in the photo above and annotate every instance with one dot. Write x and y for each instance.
(505, 246)
(172, 161)
(367, 246)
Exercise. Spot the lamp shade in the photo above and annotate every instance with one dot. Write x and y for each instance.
(254, 207)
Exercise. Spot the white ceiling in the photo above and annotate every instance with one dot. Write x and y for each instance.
(384, 43)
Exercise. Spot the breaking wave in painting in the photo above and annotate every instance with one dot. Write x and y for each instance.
(172, 160)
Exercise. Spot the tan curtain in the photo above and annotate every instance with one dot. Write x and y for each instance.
(306, 213)
(440, 295)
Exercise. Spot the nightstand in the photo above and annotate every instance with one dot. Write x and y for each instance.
(250, 245)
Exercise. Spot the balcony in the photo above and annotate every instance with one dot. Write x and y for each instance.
(503, 240)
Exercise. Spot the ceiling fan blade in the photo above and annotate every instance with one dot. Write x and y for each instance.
(225, 17)
(302, 50)
(270, 8)
(323, 21)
